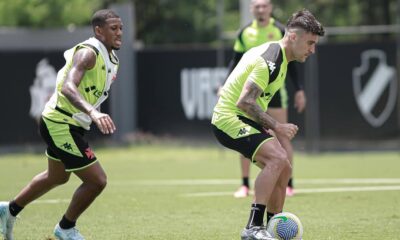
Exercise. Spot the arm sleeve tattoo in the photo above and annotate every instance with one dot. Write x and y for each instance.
(247, 103)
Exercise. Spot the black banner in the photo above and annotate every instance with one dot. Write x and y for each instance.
(177, 91)
(29, 79)
(19, 73)
(358, 91)
(357, 99)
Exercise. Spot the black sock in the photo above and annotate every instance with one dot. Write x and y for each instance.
(256, 215)
(246, 182)
(269, 216)
(14, 208)
(66, 224)
(290, 183)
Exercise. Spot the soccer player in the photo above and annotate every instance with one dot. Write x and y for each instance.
(240, 121)
(265, 28)
(82, 85)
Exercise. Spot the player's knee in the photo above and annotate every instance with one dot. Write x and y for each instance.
(56, 180)
(285, 174)
(62, 180)
(277, 165)
(288, 166)
(279, 160)
(281, 156)
(100, 183)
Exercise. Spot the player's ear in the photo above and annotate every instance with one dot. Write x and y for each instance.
(292, 36)
(98, 30)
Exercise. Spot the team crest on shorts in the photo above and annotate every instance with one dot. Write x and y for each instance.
(89, 153)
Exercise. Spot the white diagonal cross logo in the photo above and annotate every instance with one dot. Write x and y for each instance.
(382, 77)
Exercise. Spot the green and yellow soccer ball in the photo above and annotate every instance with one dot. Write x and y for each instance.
(285, 226)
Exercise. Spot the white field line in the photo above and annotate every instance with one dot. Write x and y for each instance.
(307, 191)
(51, 201)
(182, 182)
(297, 191)
(190, 182)
(349, 189)
(350, 181)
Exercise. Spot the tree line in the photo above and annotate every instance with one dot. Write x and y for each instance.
(160, 22)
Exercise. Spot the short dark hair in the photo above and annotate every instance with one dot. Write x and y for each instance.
(99, 18)
(305, 20)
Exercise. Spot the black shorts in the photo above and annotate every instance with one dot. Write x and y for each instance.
(247, 145)
(280, 99)
(66, 143)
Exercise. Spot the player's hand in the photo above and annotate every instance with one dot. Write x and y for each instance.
(287, 130)
(300, 101)
(103, 121)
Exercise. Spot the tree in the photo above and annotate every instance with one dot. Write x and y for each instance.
(188, 21)
(46, 13)
(176, 21)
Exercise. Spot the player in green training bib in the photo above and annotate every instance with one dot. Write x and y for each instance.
(240, 121)
(82, 85)
(265, 28)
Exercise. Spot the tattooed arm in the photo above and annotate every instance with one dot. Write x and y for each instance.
(247, 103)
(83, 60)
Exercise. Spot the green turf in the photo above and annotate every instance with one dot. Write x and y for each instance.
(147, 195)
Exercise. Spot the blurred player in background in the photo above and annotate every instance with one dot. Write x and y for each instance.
(42, 88)
(240, 120)
(265, 28)
(82, 85)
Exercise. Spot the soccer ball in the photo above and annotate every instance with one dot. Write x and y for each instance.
(285, 226)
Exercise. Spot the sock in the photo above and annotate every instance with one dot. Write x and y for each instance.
(290, 183)
(246, 182)
(66, 224)
(269, 216)
(14, 208)
(256, 215)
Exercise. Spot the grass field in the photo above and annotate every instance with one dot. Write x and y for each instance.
(173, 192)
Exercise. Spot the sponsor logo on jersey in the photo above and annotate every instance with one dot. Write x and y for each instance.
(94, 91)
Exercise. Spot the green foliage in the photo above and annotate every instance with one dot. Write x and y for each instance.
(46, 13)
(176, 21)
(183, 21)
(180, 21)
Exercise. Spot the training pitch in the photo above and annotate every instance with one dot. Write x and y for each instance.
(169, 192)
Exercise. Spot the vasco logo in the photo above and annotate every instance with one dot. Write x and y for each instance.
(199, 87)
(370, 82)
(89, 153)
(271, 66)
(42, 88)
